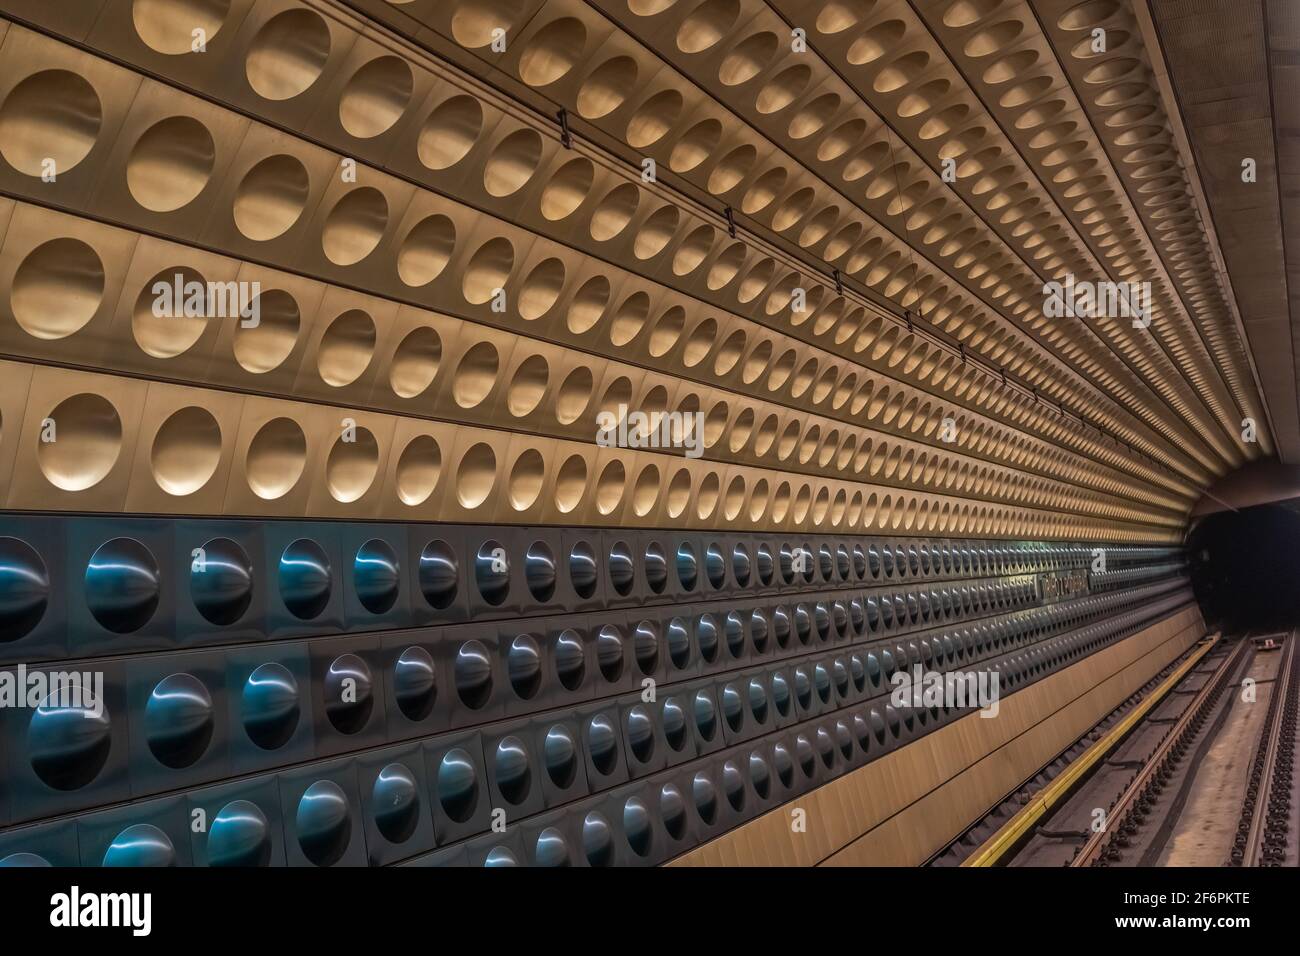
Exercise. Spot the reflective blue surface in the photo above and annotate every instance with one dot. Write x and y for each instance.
(140, 845)
(24, 589)
(457, 785)
(609, 652)
(492, 572)
(621, 571)
(415, 683)
(597, 839)
(323, 823)
(395, 803)
(473, 673)
(552, 849)
(68, 746)
(376, 575)
(178, 720)
(582, 569)
(239, 835)
(602, 743)
(348, 689)
(270, 706)
(524, 666)
(513, 775)
(637, 825)
(438, 572)
(561, 756)
(305, 579)
(539, 571)
(122, 585)
(221, 581)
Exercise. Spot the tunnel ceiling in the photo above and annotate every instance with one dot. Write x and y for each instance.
(825, 226)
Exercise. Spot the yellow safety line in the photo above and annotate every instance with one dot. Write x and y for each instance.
(992, 850)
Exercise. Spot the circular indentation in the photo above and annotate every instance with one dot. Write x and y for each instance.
(417, 471)
(122, 585)
(607, 87)
(269, 706)
(51, 115)
(688, 569)
(582, 569)
(612, 215)
(263, 346)
(276, 458)
(288, 54)
(24, 588)
(638, 826)
(641, 733)
(610, 653)
(602, 744)
(524, 666)
(707, 24)
(476, 22)
(240, 835)
(170, 164)
(169, 26)
(457, 784)
(375, 97)
(551, 848)
(560, 756)
(57, 289)
(352, 464)
(527, 477)
(221, 581)
(140, 845)
(570, 659)
(476, 476)
(567, 189)
(552, 52)
(415, 363)
(346, 348)
(597, 839)
(69, 736)
(395, 803)
(376, 576)
(706, 797)
(450, 132)
(620, 567)
(473, 674)
(492, 572)
(324, 823)
(706, 715)
(426, 250)
(305, 578)
(487, 270)
(415, 683)
(678, 639)
(539, 570)
(354, 226)
(438, 574)
(500, 856)
(349, 692)
(656, 567)
(171, 312)
(653, 119)
(186, 451)
(271, 198)
(514, 776)
(512, 163)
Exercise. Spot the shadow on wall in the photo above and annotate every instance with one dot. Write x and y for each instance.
(1245, 567)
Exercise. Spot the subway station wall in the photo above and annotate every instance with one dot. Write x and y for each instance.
(351, 576)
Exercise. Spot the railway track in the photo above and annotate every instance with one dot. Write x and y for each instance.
(1110, 798)
(1263, 831)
